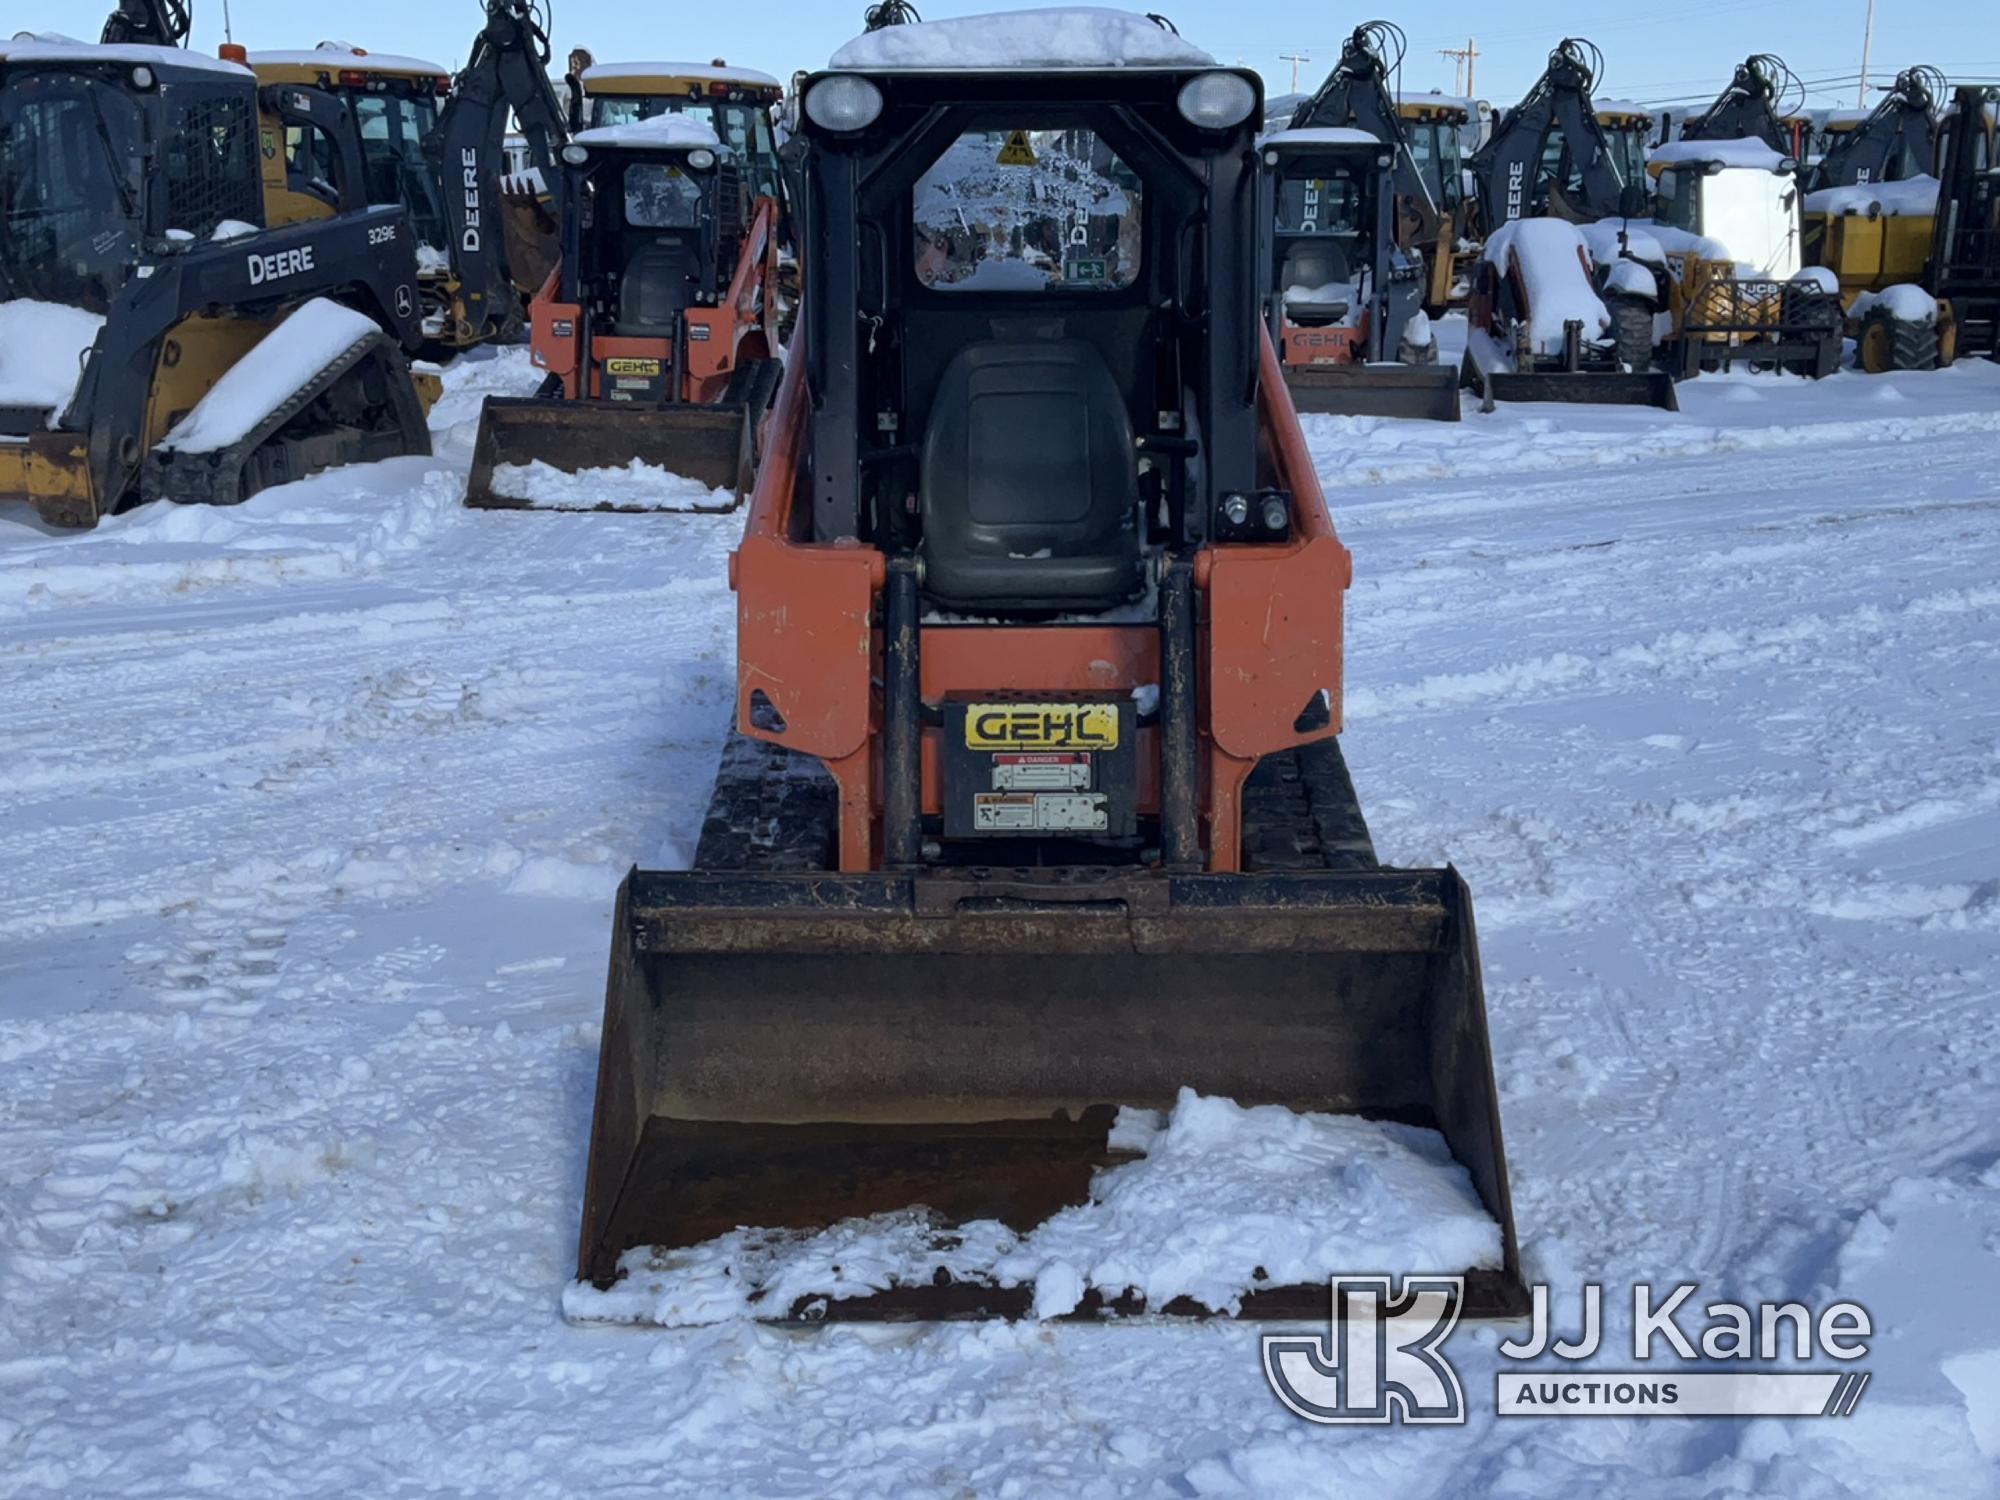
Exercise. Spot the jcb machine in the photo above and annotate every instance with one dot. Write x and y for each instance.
(659, 328)
(436, 145)
(132, 223)
(1036, 806)
(1343, 300)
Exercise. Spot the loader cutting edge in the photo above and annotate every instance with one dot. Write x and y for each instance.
(1654, 388)
(795, 1050)
(714, 445)
(1417, 392)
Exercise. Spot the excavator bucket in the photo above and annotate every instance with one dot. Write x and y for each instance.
(1589, 387)
(710, 445)
(788, 1051)
(1419, 392)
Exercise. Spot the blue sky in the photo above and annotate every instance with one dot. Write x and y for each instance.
(1656, 52)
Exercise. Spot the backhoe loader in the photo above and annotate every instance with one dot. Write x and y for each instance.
(658, 328)
(435, 143)
(141, 292)
(1035, 804)
(1919, 258)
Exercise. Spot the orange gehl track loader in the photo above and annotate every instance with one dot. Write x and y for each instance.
(1035, 805)
(659, 328)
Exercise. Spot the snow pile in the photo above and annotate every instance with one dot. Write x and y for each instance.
(636, 486)
(1744, 152)
(1554, 262)
(42, 349)
(660, 133)
(1820, 277)
(1906, 303)
(1082, 36)
(1223, 1200)
(1911, 198)
(314, 336)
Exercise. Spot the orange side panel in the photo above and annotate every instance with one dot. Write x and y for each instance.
(553, 327)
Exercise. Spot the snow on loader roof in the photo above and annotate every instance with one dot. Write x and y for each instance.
(1745, 152)
(601, 77)
(1064, 37)
(661, 133)
(52, 50)
(1320, 135)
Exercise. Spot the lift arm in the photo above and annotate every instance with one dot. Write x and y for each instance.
(508, 71)
(1509, 170)
(149, 23)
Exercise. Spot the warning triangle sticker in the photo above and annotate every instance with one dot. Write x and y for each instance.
(1017, 152)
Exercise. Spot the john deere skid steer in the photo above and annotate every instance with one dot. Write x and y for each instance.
(1035, 806)
(160, 342)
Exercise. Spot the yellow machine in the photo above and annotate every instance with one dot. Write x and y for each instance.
(738, 104)
(1434, 125)
(438, 146)
(143, 286)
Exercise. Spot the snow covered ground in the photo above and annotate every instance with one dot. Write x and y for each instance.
(311, 812)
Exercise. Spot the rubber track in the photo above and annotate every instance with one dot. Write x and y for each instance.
(774, 810)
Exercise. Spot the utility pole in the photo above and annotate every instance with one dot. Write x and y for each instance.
(1867, 40)
(1294, 58)
(1464, 60)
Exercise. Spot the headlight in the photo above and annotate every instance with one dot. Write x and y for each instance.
(1788, 164)
(576, 156)
(1213, 101)
(842, 101)
(1236, 509)
(701, 158)
(1274, 513)
(142, 77)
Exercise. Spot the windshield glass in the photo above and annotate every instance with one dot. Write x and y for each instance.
(743, 127)
(1434, 145)
(1028, 210)
(1628, 153)
(1326, 198)
(1674, 199)
(659, 196)
(393, 163)
(69, 205)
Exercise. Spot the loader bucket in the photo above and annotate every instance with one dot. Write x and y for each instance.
(788, 1051)
(711, 444)
(1591, 387)
(1420, 392)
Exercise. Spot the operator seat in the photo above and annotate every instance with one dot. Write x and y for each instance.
(658, 281)
(1030, 482)
(1310, 265)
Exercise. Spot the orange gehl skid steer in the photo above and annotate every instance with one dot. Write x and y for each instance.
(1035, 806)
(659, 327)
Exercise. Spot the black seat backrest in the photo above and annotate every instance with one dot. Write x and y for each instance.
(658, 280)
(1315, 262)
(1030, 492)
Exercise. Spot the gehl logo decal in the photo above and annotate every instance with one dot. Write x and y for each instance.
(1041, 726)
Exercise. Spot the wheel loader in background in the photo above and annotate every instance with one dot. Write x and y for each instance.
(437, 145)
(658, 327)
(1343, 300)
(1035, 804)
(160, 341)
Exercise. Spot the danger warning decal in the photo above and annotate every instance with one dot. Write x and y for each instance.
(1017, 152)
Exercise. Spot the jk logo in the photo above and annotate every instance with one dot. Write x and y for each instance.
(1381, 1363)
